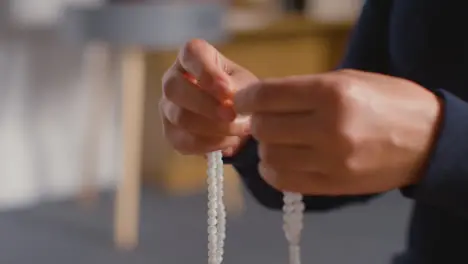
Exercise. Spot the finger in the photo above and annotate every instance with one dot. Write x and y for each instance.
(241, 78)
(231, 151)
(287, 128)
(201, 125)
(295, 158)
(212, 90)
(293, 94)
(184, 94)
(207, 66)
(307, 183)
(191, 144)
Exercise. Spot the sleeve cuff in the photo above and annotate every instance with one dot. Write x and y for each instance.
(445, 182)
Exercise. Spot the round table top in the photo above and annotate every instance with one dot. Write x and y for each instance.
(152, 26)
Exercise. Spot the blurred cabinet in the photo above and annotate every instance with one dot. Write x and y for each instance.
(292, 46)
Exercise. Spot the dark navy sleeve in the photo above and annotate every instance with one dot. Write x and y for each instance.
(367, 51)
(368, 46)
(246, 163)
(445, 183)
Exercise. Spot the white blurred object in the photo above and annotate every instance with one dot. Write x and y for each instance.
(42, 13)
(333, 10)
(43, 112)
(33, 13)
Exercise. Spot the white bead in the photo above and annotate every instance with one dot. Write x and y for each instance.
(293, 211)
(212, 221)
(212, 230)
(212, 205)
(211, 213)
(216, 209)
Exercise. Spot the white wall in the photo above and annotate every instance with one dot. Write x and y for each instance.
(43, 113)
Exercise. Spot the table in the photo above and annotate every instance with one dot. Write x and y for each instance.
(133, 29)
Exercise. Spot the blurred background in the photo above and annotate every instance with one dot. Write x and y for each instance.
(85, 176)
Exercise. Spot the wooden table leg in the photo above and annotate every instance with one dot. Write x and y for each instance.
(128, 192)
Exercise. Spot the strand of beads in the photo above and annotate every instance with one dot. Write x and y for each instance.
(293, 214)
(221, 206)
(216, 208)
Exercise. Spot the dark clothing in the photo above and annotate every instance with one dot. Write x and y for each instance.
(423, 41)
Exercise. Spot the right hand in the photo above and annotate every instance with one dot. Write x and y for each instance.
(197, 120)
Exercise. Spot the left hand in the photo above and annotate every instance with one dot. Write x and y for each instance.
(341, 133)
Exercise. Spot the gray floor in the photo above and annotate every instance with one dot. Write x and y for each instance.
(173, 231)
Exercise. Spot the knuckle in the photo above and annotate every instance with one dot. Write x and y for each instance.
(350, 166)
(161, 110)
(185, 144)
(261, 94)
(258, 128)
(167, 75)
(166, 132)
(170, 86)
(181, 140)
(339, 86)
(183, 150)
(181, 118)
(270, 176)
(255, 95)
(350, 137)
(346, 144)
(350, 147)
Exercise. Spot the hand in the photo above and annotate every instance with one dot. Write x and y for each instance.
(341, 133)
(197, 117)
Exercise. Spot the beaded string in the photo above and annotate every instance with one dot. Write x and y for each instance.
(216, 208)
(293, 211)
(293, 214)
